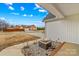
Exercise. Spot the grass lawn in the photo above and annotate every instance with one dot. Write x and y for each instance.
(12, 38)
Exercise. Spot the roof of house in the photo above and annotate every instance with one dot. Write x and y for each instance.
(49, 16)
(60, 10)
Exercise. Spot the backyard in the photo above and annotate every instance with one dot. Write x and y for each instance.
(12, 38)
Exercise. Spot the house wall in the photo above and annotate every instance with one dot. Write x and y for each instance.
(66, 29)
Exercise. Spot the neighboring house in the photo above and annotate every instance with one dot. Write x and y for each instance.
(65, 26)
(30, 28)
(19, 27)
(26, 27)
(22, 28)
(33, 27)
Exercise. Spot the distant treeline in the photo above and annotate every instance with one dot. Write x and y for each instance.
(3, 24)
(40, 28)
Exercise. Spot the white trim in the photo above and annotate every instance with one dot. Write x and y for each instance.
(76, 16)
(50, 7)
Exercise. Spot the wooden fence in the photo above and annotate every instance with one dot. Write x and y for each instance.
(12, 30)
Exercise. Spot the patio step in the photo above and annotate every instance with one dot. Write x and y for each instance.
(56, 49)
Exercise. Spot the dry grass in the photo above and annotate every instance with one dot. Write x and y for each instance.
(11, 39)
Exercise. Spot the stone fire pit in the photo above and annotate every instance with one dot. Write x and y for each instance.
(46, 44)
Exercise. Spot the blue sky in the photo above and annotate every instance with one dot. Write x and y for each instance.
(22, 13)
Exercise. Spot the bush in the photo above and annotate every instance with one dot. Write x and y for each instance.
(40, 28)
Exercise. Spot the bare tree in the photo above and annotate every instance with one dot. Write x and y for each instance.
(3, 24)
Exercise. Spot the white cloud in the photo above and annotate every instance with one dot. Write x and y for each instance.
(24, 15)
(42, 10)
(3, 18)
(11, 8)
(9, 3)
(37, 21)
(31, 15)
(37, 6)
(22, 8)
(15, 13)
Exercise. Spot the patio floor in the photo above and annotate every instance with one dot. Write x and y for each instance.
(68, 49)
